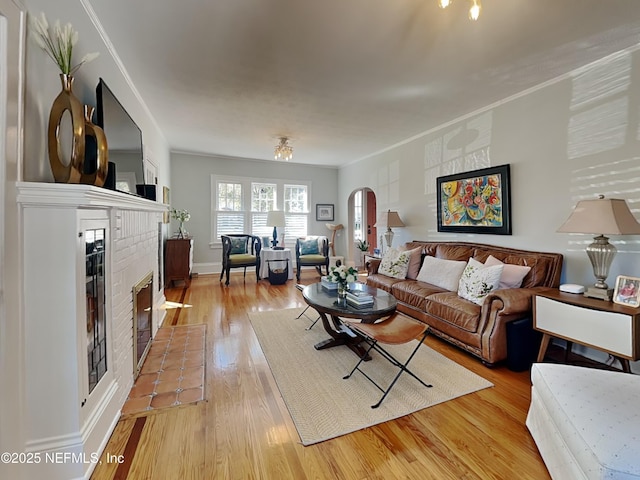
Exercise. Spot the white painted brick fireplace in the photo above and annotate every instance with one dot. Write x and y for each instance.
(60, 414)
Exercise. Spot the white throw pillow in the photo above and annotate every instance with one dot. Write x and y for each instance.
(441, 273)
(478, 281)
(512, 275)
(394, 263)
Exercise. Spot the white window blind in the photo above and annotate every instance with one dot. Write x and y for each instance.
(230, 216)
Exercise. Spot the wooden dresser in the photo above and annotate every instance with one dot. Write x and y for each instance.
(178, 260)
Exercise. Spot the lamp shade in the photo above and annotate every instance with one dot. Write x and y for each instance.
(275, 218)
(389, 219)
(605, 216)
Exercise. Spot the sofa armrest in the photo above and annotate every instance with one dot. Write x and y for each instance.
(514, 300)
(372, 265)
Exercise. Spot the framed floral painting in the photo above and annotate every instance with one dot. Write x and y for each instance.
(475, 202)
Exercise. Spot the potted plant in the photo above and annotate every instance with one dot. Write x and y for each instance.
(363, 246)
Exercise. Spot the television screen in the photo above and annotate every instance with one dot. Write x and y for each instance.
(124, 140)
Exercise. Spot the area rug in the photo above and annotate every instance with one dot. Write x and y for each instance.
(323, 405)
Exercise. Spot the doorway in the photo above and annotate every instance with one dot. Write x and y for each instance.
(362, 220)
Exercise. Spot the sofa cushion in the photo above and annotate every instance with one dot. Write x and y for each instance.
(458, 312)
(415, 261)
(394, 263)
(414, 293)
(442, 273)
(382, 281)
(512, 275)
(478, 280)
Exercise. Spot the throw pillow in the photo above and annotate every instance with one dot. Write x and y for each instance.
(309, 247)
(394, 263)
(441, 273)
(238, 245)
(478, 281)
(512, 275)
(415, 257)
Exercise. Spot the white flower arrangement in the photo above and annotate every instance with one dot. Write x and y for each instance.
(180, 215)
(343, 275)
(58, 43)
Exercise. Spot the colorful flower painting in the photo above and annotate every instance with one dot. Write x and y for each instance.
(475, 202)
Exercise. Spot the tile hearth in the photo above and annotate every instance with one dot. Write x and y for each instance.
(172, 373)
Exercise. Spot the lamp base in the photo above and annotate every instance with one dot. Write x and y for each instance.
(600, 293)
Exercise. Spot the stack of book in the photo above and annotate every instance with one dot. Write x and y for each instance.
(359, 299)
(328, 284)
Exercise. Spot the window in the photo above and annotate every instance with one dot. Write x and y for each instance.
(240, 205)
(230, 217)
(263, 200)
(296, 210)
(358, 231)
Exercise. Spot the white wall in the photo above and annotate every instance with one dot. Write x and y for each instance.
(191, 190)
(567, 140)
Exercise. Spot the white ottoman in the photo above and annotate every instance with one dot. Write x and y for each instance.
(586, 422)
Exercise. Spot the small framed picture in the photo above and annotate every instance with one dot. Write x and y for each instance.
(627, 291)
(324, 212)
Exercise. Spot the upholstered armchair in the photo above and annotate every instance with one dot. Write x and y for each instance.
(312, 252)
(240, 251)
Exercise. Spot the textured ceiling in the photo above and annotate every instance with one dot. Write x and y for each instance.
(344, 78)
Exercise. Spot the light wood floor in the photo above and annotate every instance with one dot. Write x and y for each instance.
(243, 429)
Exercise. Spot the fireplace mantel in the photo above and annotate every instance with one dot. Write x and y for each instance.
(87, 196)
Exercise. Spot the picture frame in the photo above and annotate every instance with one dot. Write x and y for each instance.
(324, 212)
(478, 201)
(166, 215)
(627, 291)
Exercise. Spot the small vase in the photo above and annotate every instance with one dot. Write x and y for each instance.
(66, 170)
(342, 295)
(181, 231)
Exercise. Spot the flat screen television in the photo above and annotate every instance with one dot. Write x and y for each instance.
(124, 141)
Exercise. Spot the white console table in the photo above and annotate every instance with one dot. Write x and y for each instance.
(595, 323)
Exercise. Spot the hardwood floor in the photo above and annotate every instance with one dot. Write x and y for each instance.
(243, 429)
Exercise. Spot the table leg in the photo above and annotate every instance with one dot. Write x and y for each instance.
(340, 336)
(546, 338)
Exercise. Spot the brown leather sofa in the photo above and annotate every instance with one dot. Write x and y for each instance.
(479, 329)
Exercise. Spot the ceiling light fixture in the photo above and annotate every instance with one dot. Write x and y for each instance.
(283, 150)
(474, 11)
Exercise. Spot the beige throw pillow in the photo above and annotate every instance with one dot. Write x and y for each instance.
(512, 275)
(442, 273)
(394, 263)
(415, 257)
(478, 281)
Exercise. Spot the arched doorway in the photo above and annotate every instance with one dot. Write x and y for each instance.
(362, 220)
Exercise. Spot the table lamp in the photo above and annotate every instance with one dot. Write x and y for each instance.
(390, 220)
(275, 219)
(603, 216)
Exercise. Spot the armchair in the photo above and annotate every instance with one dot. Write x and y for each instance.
(312, 252)
(240, 251)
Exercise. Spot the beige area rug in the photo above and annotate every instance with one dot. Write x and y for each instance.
(323, 405)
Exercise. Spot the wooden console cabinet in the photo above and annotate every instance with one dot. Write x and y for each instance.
(178, 260)
(605, 326)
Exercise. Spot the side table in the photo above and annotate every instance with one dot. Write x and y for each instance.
(605, 326)
(271, 254)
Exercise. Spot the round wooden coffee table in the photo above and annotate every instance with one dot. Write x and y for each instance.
(325, 302)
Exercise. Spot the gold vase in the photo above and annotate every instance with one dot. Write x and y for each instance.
(66, 101)
(98, 176)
